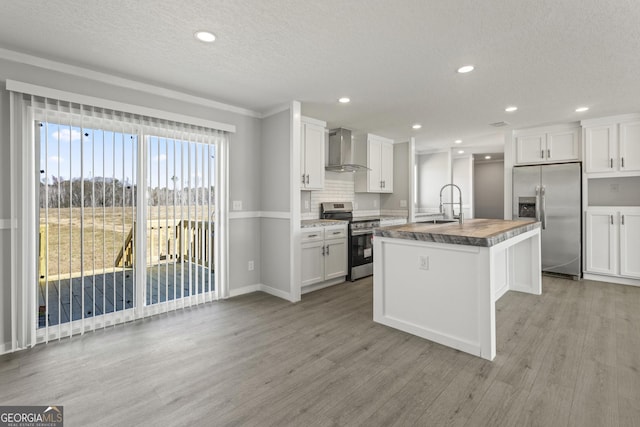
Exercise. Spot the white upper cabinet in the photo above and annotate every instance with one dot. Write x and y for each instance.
(312, 144)
(612, 146)
(376, 153)
(556, 144)
(629, 146)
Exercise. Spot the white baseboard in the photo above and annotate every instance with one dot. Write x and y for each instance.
(276, 292)
(5, 348)
(612, 279)
(259, 287)
(322, 285)
(245, 290)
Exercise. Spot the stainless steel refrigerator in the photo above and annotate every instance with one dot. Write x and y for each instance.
(552, 194)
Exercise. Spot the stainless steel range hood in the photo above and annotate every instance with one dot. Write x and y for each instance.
(341, 152)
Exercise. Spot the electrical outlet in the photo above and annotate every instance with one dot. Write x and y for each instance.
(250, 266)
(403, 203)
(237, 205)
(375, 203)
(306, 204)
(424, 263)
(614, 188)
(355, 206)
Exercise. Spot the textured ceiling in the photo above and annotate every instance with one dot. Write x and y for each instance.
(395, 59)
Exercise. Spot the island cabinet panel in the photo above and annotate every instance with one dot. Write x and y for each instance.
(441, 281)
(425, 274)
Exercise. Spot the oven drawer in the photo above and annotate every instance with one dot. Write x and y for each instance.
(314, 235)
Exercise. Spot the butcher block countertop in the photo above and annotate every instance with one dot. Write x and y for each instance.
(474, 232)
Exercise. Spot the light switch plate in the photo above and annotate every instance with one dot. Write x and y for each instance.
(237, 205)
(424, 263)
(403, 203)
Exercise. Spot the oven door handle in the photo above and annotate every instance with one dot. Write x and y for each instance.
(361, 233)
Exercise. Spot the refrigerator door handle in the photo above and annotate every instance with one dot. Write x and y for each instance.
(537, 203)
(544, 208)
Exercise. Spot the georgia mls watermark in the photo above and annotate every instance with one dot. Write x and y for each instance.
(31, 416)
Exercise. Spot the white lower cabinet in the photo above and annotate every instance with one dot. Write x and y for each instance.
(323, 254)
(613, 241)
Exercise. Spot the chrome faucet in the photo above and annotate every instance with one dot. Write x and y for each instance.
(460, 217)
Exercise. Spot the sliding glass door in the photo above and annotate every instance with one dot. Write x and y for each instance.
(180, 219)
(109, 248)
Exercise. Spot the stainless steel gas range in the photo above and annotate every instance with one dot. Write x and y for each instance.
(360, 252)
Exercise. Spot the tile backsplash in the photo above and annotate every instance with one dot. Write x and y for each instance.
(339, 187)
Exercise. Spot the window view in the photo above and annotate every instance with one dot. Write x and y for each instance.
(180, 217)
(88, 221)
(87, 211)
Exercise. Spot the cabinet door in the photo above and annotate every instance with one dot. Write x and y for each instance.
(312, 261)
(335, 260)
(601, 230)
(629, 146)
(531, 148)
(313, 141)
(600, 148)
(386, 167)
(562, 146)
(374, 147)
(630, 243)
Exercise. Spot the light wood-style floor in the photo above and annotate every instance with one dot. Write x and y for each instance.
(568, 357)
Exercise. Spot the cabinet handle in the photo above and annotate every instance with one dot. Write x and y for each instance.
(303, 178)
(323, 251)
(622, 219)
(611, 216)
(548, 153)
(621, 161)
(542, 154)
(337, 232)
(312, 235)
(327, 250)
(307, 178)
(611, 163)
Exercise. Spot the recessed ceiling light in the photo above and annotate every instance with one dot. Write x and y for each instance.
(487, 157)
(344, 100)
(205, 36)
(465, 69)
(511, 109)
(417, 126)
(458, 141)
(460, 151)
(581, 109)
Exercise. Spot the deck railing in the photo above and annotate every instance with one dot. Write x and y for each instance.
(180, 240)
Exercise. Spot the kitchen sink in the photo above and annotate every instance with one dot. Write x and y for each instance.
(438, 221)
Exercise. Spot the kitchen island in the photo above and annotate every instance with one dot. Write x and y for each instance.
(441, 281)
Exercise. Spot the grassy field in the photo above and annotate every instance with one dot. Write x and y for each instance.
(90, 240)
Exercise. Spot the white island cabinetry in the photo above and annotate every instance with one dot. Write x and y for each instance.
(441, 281)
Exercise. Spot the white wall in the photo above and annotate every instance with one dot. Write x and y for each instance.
(392, 203)
(488, 189)
(275, 193)
(462, 176)
(433, 172)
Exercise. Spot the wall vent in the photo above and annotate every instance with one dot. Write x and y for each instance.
(499, 124)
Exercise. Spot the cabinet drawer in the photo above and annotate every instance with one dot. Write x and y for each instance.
(335, 233)
(317, 234)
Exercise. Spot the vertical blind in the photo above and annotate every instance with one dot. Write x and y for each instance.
(124, 209)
